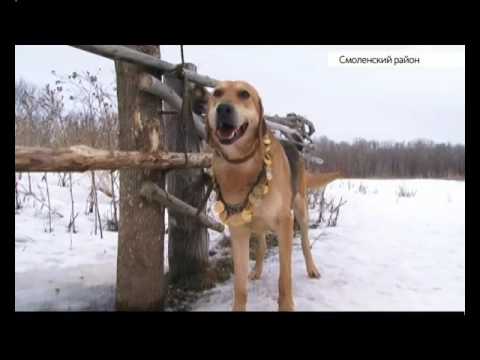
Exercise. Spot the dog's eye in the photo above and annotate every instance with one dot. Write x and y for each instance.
(217, 93)
(243, 94)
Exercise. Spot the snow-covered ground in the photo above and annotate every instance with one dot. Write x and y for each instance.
(387, 253)
(59, 270)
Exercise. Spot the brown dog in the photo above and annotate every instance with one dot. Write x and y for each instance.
(236, 127)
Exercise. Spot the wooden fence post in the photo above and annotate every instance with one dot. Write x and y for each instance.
(140, 265)
(187, 240)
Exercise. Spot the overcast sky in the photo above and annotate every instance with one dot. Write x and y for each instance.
(383, 102)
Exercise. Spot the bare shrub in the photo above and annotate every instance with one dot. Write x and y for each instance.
(403, 191)
(362, 189)
(73, 216)
(76, 109)
(50, 228)
(18, 204)
(328, 210)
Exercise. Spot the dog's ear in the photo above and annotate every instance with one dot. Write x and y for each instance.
(262, 125)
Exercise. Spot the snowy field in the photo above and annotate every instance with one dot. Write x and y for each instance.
(387, 253)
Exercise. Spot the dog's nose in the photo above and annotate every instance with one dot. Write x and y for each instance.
(225, 115)
(224, 110)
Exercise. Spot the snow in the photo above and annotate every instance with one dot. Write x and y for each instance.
(387, 253)
(81, 266)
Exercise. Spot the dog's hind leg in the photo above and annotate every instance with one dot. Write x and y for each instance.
(284, 231)
(301, 214)
(259, 256)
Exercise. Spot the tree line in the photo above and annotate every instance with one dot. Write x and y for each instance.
(387, 159)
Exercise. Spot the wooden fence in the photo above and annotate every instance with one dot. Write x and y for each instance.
(148, 89)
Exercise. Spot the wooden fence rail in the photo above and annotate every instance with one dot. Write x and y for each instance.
(153, 192)
(82, 158)
(119, 52)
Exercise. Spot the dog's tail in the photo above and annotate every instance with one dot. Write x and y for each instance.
(318, 181)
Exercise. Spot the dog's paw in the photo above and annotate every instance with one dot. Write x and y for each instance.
(286, 305)
(254, 275)
(313, 272)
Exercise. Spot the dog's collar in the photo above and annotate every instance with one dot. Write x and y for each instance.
(259, 189)
(238, 160)
(232, 209)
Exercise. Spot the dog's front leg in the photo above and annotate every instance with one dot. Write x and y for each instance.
(240, 250)
(285, 237)
(259, 257)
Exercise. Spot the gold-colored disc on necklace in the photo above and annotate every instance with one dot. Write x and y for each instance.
(265, 189)
(266, 140)
(218, 207)
(269, 175)
(223, 217)
(267, 161)
(258, 190)
(254, 197)
(247, 215)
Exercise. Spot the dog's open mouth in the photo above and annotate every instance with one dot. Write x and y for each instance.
(228, 135)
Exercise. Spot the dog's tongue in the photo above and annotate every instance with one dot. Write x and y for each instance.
(227, 133)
